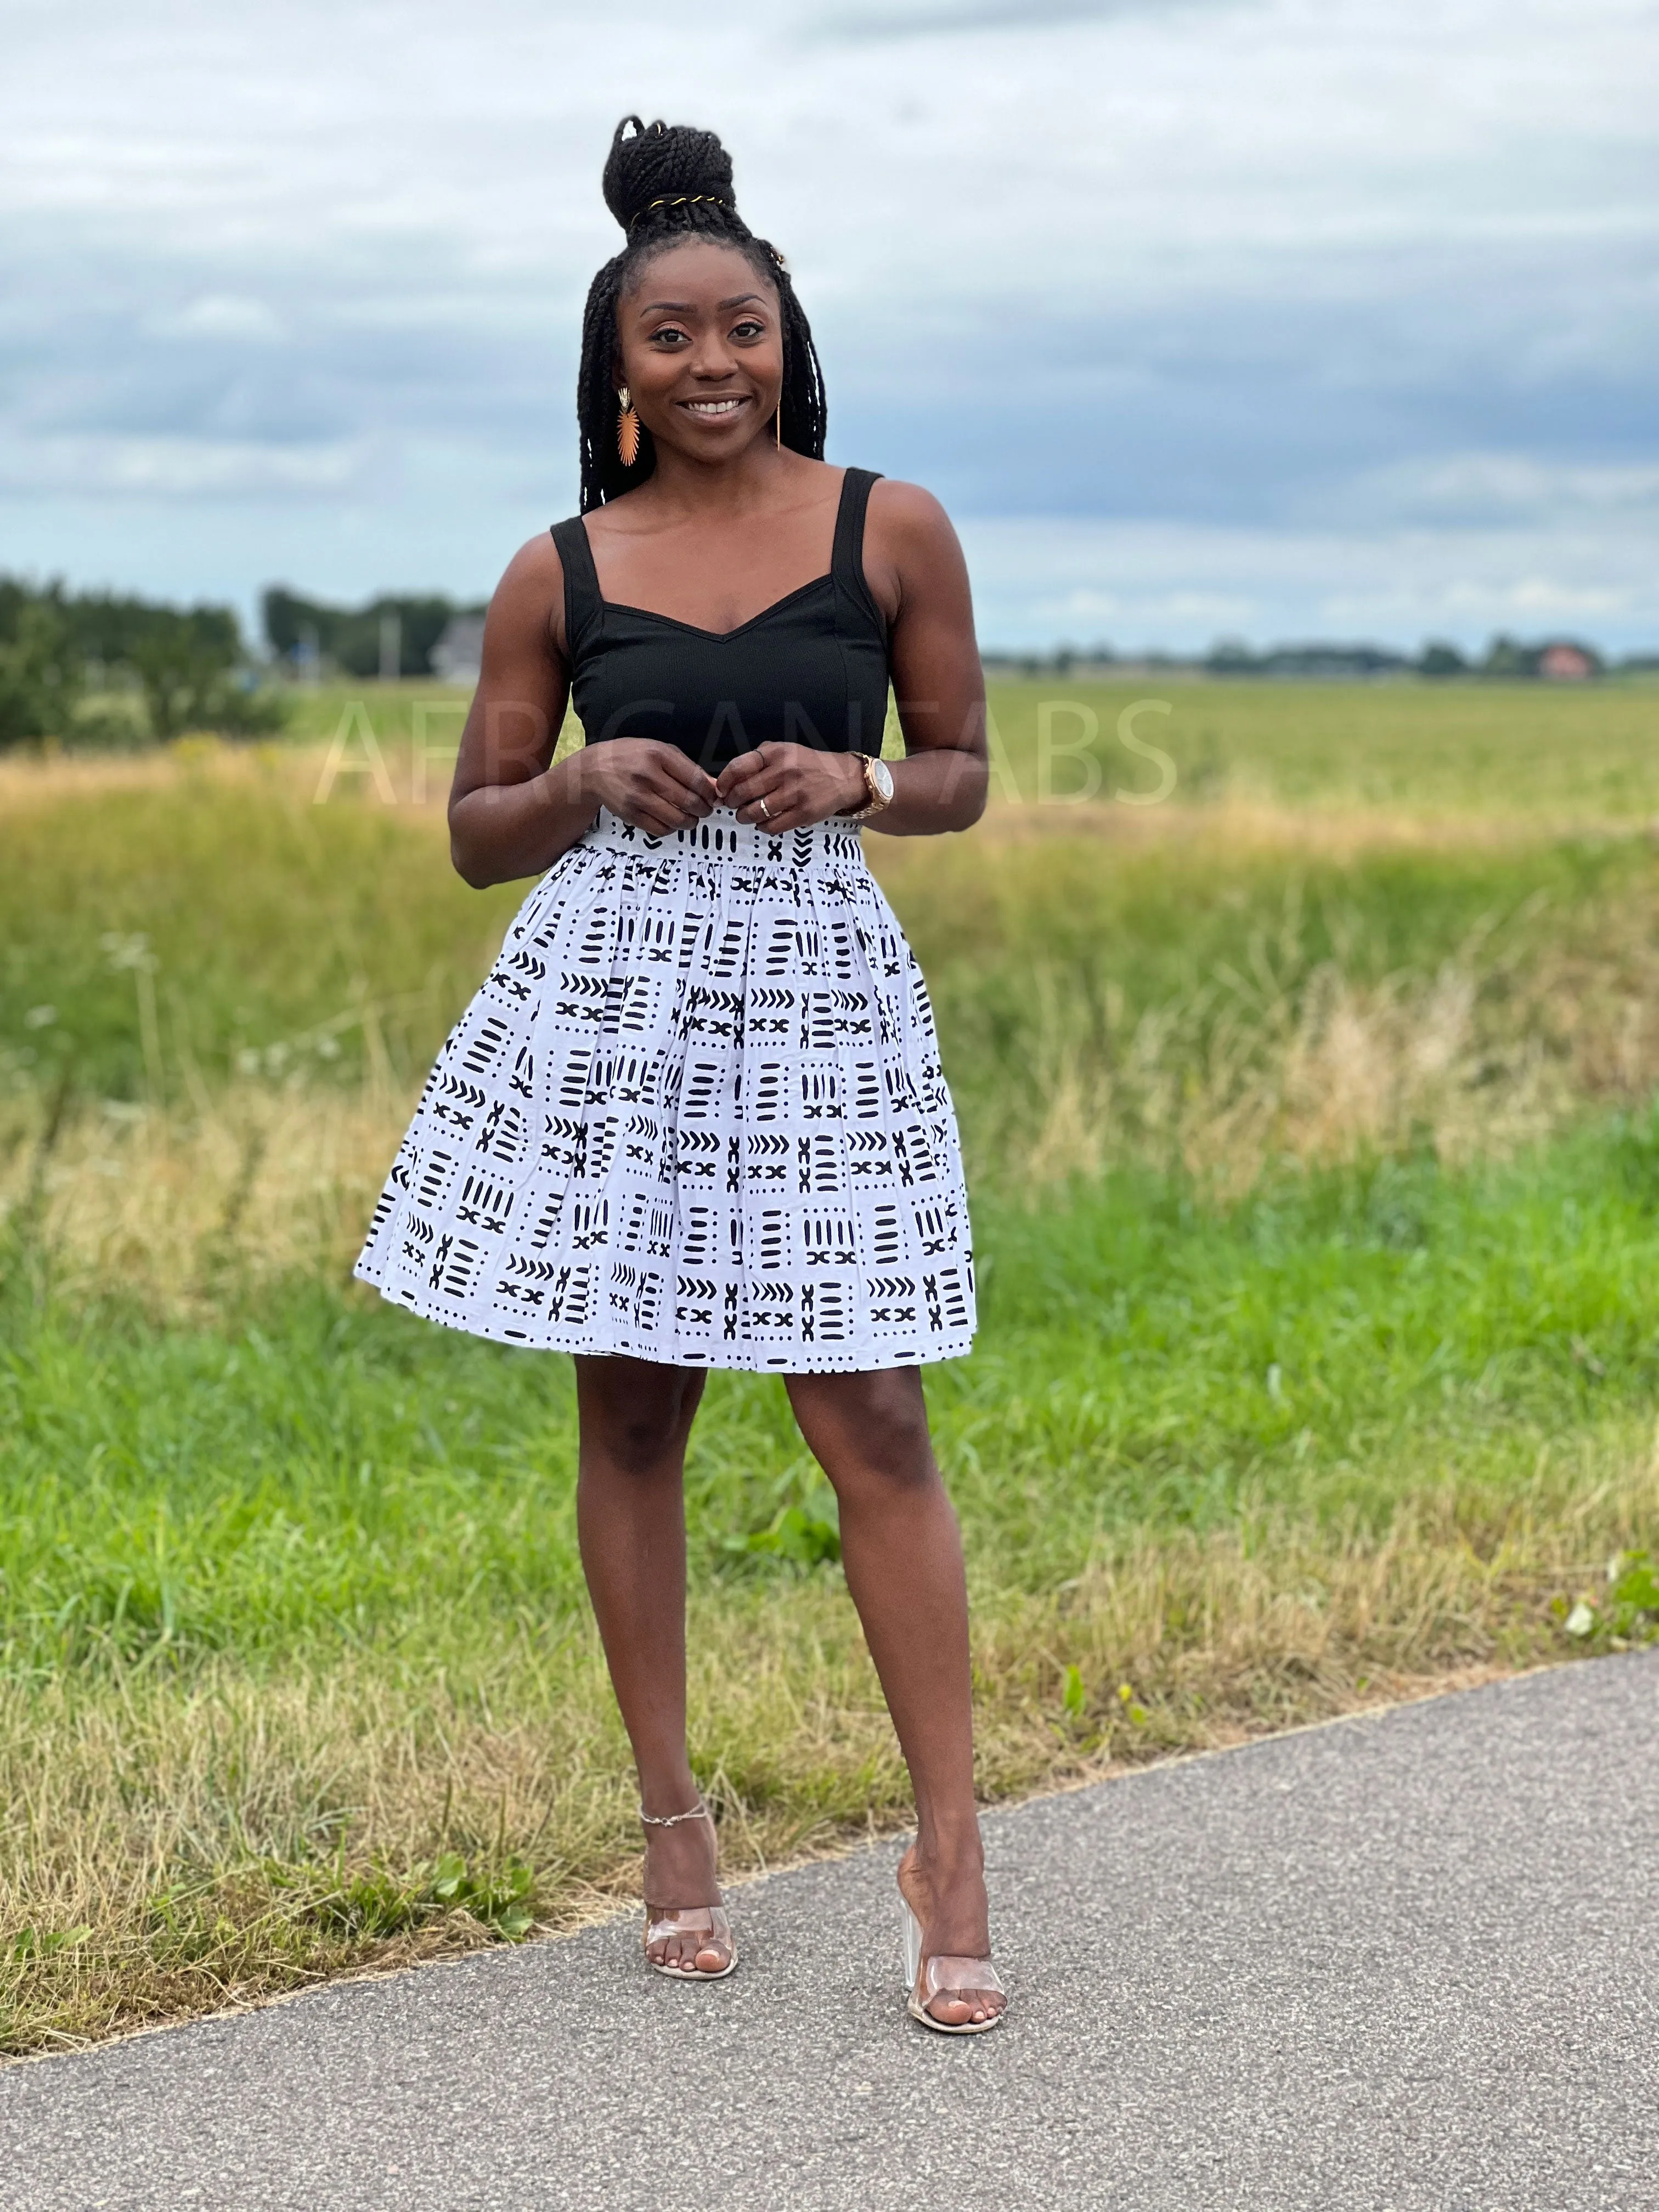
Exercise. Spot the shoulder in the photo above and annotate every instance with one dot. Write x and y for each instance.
(530, 597)
(907, 524)
(535, 566)
(908, 508)
(910, 548)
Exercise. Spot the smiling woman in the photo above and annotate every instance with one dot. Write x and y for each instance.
(695, 1117)
(676, 186)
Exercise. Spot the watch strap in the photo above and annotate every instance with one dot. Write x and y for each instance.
(873, 801)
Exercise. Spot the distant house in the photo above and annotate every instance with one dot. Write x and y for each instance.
(1565, 663)
(458, 656)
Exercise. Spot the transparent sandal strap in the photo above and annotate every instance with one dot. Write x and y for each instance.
(671, 1921)
(673, 1820)
(981, 1975)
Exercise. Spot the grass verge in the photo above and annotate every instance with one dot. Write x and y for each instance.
(1317, 1203)
(298, 1675)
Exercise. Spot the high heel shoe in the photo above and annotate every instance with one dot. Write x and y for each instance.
(707, 1922)
(927, 1980)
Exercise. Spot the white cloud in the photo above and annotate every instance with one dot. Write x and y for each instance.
(1293, 270)
(1503, 487)
(181, 467)
(951, 18)
(1178, 587)
(228, 315)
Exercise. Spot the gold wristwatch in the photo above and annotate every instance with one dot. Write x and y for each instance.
(878, 787)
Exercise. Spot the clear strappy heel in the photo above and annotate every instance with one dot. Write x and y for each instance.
(927, 1980)
(708, 1922)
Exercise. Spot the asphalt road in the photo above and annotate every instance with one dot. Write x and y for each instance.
(1408, 1962)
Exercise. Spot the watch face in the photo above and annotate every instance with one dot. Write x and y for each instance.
(882, 777)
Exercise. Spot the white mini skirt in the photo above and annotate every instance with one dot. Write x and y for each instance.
(696, 1114)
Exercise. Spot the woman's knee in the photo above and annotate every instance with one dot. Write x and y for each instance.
(634, 1415)
(868, 1430)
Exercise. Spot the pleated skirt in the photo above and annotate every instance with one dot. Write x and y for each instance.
(696, 1114)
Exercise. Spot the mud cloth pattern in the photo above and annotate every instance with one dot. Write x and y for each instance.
(696, 1114)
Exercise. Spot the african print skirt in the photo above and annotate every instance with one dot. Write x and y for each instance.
(696, 1114)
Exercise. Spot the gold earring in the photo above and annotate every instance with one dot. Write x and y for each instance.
(627, 430)
(777, 424)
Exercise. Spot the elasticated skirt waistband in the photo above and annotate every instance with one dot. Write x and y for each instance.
(721, 840)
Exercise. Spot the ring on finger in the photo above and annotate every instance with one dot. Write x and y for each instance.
(766, 811)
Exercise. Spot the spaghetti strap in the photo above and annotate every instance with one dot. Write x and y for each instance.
(847, 561)
(584, 609)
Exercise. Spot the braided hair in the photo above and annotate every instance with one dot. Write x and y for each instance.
(666, 182)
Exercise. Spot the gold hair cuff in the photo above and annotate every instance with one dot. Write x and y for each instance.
(684, 199)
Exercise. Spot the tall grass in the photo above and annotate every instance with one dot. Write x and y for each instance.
(247, 932)
(1317, 1201)
(1465, 752)
(1468, 752)
(293, 1610)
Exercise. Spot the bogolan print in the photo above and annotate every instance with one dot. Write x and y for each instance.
(696, 1114)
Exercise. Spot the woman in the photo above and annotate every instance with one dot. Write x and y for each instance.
(694, 1118)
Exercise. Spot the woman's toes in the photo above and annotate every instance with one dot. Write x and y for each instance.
(962, 2011)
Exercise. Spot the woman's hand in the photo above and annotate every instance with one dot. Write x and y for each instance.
(788, 786)
(656, 788)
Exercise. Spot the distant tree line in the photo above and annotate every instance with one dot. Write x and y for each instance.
(108, 668)
(307, 633)
(63, 652)
(1232, 657)
(1505, 659)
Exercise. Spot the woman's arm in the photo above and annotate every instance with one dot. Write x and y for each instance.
(511, 812)
(915, 567)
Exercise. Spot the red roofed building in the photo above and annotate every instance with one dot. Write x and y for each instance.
(1565, 663)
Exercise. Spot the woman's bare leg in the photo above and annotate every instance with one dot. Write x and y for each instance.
(902, 1554)
(630, 1519)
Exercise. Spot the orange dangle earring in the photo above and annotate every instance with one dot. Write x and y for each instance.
(627, 430)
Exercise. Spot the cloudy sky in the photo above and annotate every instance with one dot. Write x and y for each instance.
(1272, 318)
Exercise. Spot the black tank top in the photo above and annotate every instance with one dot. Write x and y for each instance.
(810, 669)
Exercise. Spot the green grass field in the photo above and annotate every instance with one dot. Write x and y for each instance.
(1492, 752)
(1310, 1121)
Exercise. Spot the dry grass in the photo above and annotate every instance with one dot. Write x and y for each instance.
(221, 1833)
(1333, 826)
(34, 780)
(1241, 828)
(1477, 1060)
(272, 1179)
(228, 1828)
(1269, 1062)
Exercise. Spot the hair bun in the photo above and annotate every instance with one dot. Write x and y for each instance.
(664, 161)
